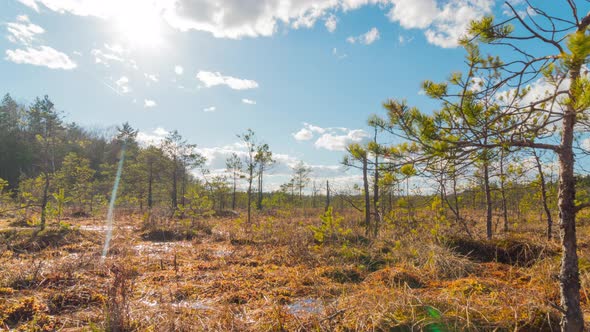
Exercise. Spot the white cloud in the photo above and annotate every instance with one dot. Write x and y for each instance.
(31, 4)
(151, 77)
(211, 79)
(152, 138)
(105, 58)
(221, 18)
(44, 56)
(110, 54)
(315, 129)
(444, 21)
(303, 135)
(210, 109)
(331, 23)
(335, 142)
(179, 70)
(148, 103)
(248, 101)
(333, 139)
(367, 38)
(339, 55)
(413, 13)
(23, 31)
(123, 85)
(236, 19)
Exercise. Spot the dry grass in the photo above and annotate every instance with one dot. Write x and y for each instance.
(273, 276)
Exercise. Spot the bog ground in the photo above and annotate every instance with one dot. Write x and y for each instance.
(219, 274)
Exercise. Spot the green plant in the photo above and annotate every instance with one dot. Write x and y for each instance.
(330, 230)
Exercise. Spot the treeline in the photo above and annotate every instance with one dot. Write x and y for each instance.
(48, 166)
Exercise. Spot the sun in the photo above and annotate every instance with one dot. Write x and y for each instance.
(140, 26)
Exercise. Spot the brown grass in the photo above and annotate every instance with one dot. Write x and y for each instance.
(273, 276)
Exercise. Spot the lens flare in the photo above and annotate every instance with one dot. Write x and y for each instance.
(110, 214)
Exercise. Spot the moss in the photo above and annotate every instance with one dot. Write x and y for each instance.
(167, 235)
(508, 251)
(73, 300)
(343, 275)
(23, 311)
(396, 277)
(33, 240)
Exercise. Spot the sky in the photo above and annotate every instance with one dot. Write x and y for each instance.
(305, 75)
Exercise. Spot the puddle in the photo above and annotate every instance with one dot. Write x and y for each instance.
(220, 233)
(101, 228)
(158, 248)
(149, 303)
(197, 305)
(222, 253)
(306, 306)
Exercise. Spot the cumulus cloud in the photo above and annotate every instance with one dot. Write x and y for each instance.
(248, 101)
(413, 13)
(148, 103)
(123, 84)
(236, 19)
(339, 142)
(151, 77)
(303, 135)
(333, 139)
(443, 20)
(306, 133)
(367, 38)
(44, 56)
(179, 70)
(210, 109)
(24, 33)
(155, 137)
(211, 79)
(331, 23)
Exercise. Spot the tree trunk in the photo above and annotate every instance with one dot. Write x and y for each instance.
(327, 195)
(250, 179)
(569, 279)
(544, 196)
(174, 186)
(150, 199)
(259, 202)
(44, 200)
(377, 218)
(367, 198)
(233, 196)
(183, 187)
(503, 192)
(486, 181)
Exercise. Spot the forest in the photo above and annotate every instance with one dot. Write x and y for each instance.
(476, 220)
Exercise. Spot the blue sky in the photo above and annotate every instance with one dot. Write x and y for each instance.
(303, 74)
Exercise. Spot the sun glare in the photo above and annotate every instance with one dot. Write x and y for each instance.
(140, 27)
